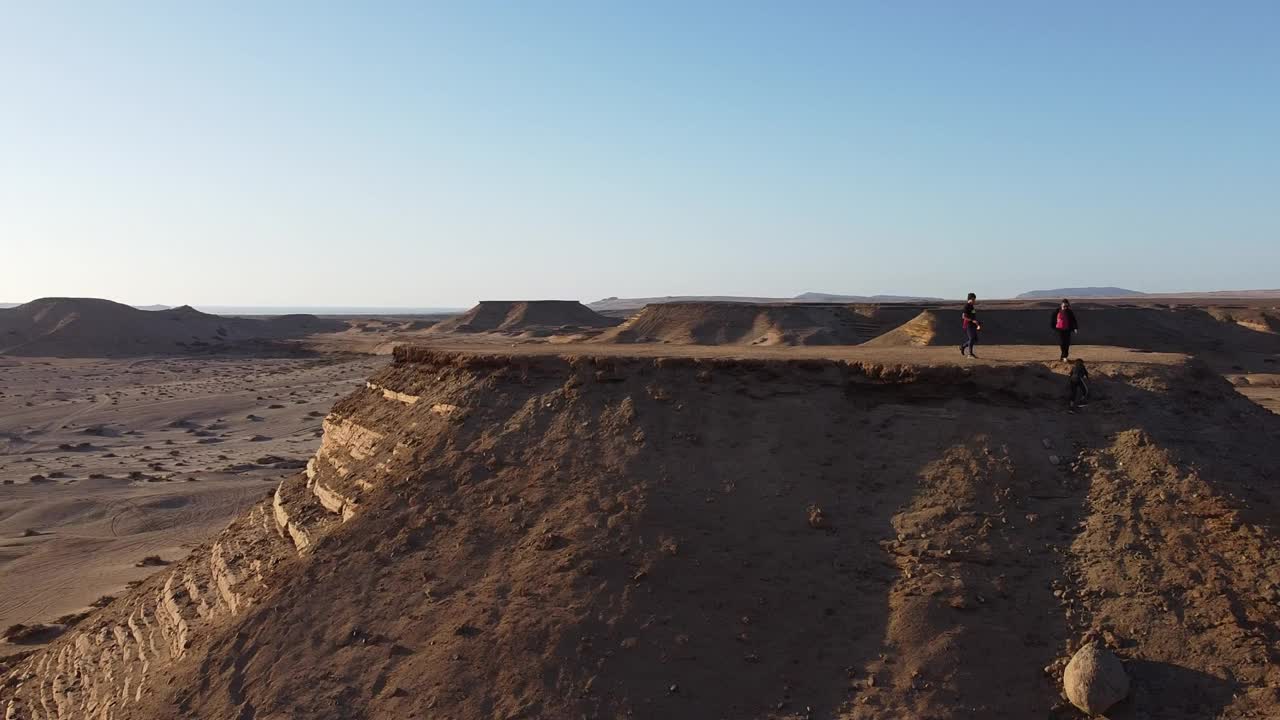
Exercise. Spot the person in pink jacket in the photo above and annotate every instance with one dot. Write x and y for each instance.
(1064, 322)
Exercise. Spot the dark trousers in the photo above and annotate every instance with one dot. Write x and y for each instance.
(1064, 342)
(970, 339)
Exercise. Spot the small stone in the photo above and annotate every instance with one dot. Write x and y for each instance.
(1095, 679)
(1054, 460)
(1046, 442)
(817, 520)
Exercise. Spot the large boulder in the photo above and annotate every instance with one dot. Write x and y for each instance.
(1095, 679)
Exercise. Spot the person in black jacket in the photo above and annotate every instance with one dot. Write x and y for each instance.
(969, 323)
(1064, 321)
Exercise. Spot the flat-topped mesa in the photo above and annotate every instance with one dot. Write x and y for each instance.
(525, 316)
(710, 323)
(602, 534)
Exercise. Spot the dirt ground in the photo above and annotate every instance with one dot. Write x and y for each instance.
(577, 532)
(107, 462)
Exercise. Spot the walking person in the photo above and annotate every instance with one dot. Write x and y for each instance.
(969, 322)
(1064, 322)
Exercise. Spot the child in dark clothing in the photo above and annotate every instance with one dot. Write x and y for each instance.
(969, 323)
(1079, 386)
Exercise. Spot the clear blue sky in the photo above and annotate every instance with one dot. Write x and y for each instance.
(426, 154)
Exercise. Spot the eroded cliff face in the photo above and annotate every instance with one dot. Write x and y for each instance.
(115, 658)
(522, 537)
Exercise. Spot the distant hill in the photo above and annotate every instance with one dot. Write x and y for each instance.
(523, 316)
(827, 297)
(615, 305)
(611, 305)
(1083, 292)
(1223, 295)
(5, 306)
(796, 323)
(91, 327)
(1115, 292)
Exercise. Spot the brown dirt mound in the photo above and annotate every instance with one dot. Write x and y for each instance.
(705, 323)
(89, 327)
(526, 316)
(1158, 329)
(555, 537)
(1260, 319)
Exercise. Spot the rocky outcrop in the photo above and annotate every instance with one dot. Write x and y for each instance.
(390, 394)
(1095, 680)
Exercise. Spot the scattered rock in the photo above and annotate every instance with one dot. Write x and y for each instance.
(1095, 679)
(1054, 460)
(817, 520)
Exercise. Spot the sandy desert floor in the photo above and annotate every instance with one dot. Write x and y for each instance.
(107, 462)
